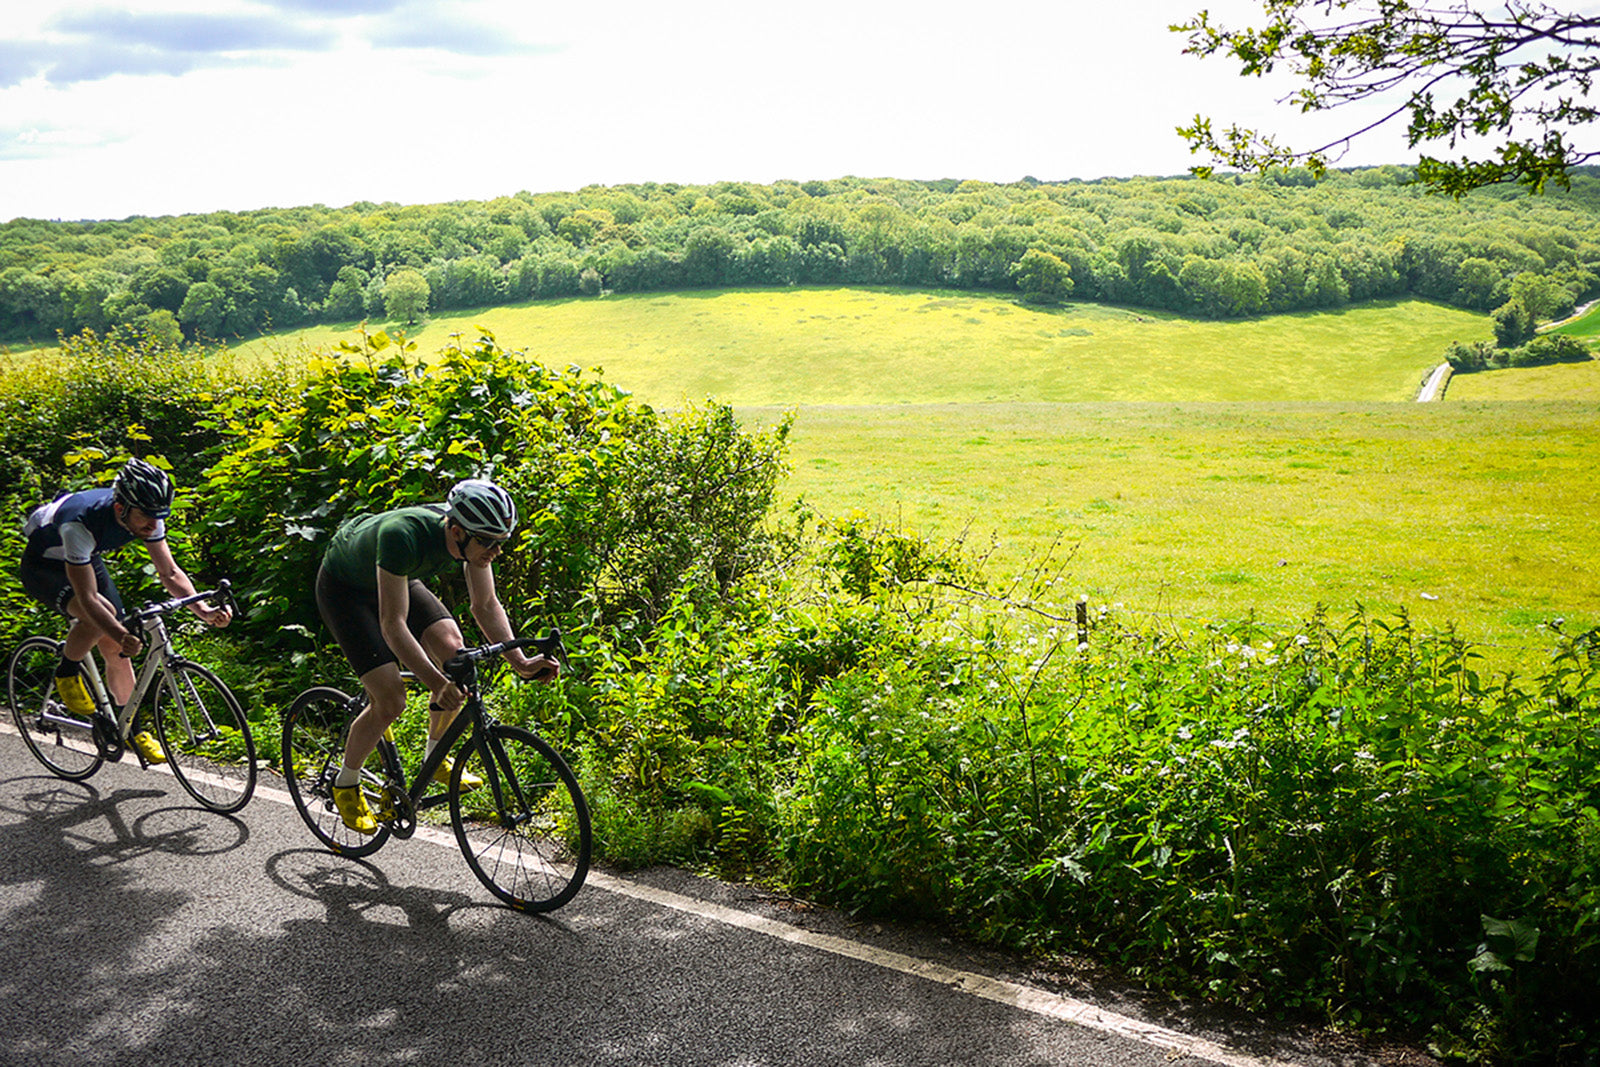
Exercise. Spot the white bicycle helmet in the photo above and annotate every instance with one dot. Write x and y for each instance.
(144, 486)
(482, 508)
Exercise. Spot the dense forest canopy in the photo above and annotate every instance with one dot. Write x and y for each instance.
(1227, 247)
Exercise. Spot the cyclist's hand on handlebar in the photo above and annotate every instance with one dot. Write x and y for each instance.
(447, 697)
(215, 615)
(538, 668)
(130, 644)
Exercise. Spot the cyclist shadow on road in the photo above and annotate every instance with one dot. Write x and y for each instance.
(357, 893)
(78, 812)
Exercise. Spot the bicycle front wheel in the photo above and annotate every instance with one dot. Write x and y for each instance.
(314, 732)
(525, 830)
(60, 740)
(206, 737)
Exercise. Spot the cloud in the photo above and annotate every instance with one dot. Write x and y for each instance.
(187, 33)
(459, 36)
(336, 7)
(19, 61)
(31, 142)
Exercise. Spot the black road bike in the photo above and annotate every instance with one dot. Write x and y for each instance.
(524, 831)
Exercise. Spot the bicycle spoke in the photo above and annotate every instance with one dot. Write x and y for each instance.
(314, 731)
(525, 831)
(207, 738)
(60, 740)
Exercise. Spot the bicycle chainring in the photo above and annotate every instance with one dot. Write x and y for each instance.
(397, 812)
(108, 738)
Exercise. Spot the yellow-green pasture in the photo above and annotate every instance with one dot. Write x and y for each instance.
(1560, 381)
(1480, 514)
(887, 347)
(1201, 470)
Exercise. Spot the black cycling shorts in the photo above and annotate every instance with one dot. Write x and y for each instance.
(351, 615)
(46, 581)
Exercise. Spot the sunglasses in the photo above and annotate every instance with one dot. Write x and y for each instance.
(488, 542)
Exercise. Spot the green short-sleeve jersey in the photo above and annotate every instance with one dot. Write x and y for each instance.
(407, 541)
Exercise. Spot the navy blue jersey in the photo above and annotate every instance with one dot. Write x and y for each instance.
(77, 527)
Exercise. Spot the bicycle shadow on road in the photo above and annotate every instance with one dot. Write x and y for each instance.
(76, 810)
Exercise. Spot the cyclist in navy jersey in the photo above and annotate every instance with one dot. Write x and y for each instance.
(63, 567)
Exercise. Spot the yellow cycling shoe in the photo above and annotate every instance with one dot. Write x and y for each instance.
(148, 747)
(352, 805)
(468, 779)
(75, 695)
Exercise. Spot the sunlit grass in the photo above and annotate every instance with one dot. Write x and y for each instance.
(1199, 470)
(854, 346)
(1562, 381)
(1478, 514)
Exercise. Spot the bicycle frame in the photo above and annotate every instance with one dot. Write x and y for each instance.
(159, 660)
(473, 715)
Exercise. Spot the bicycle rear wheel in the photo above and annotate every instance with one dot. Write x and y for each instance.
(60, 740)
(206, 737)
(314, 732)
(525, 831)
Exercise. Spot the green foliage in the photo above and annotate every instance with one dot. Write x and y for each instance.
(1522, 73)
(1042, 277)
(1539, 352)
(1513, 324)
(623, 508)
(405, 296)
(108, 395)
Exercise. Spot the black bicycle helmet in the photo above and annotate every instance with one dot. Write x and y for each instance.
(145, 486)
(482, 508)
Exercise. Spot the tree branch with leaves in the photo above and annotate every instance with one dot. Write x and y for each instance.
(1505, 85)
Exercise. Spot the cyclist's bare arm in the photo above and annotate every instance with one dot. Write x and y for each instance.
(394, 601)
(95, 610)
(176, 582)
(490, 615)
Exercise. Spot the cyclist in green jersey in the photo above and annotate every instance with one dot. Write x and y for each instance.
(371, 595)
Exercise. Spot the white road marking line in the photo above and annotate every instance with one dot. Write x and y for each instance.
(1024, 998)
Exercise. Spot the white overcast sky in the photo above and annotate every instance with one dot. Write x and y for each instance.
(177, 106)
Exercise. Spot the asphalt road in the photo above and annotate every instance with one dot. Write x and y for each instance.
(139, 929)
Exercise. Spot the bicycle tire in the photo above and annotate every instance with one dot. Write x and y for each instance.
(206, 737)
(314, 732)
(63, 742)
(525, 831)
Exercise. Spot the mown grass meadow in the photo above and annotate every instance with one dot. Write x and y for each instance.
(1472, 514)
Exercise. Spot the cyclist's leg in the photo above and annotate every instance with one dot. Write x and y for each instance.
(314, 730)
(351, 615)
(440, 636)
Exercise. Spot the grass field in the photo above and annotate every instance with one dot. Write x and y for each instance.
(871, 347)
(1563, 381)
(1472, 513)
(1199, 470)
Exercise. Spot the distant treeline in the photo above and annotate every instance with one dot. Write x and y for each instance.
(1222, 248)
